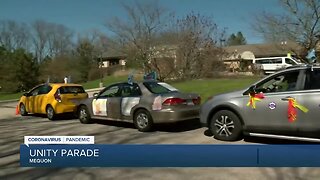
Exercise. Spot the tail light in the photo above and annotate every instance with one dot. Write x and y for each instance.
(173, 101)
(197, 101)
(57, 97)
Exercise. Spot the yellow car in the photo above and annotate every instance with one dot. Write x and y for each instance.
(51, 99)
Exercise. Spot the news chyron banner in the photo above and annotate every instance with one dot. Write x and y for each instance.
(80, 151)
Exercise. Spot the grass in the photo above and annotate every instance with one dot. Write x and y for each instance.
(9, 96)
(210, 87)
(106, 81)
(205, 88)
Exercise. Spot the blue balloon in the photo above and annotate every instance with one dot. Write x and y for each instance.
(311, 55)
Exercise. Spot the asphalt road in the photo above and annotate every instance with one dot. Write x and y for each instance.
(14, 128)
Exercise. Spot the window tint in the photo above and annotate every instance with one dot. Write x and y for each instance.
(313, 79)
(279, 83)
(113, 91)
(35, 91)
(129, 90)
(71, 89)
(269, 61)
(277, 61)
(263, 61)
(45, 89)
(289, 61)
(159, 88)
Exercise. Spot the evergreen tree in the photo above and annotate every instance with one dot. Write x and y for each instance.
(236, 39)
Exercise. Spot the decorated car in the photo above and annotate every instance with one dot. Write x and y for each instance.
(283, 105)
(144, 104)
(51, 99)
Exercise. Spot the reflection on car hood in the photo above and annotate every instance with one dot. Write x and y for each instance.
(230, 94)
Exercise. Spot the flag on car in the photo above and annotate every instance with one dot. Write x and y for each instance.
(292, 111)
(253, 98)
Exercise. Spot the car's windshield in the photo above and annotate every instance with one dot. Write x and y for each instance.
(159, 87)
(296, 59)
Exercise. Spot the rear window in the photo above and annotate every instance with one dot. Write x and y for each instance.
(71, 89)
(159, 87)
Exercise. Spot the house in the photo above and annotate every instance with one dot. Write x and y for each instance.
(234, 55)
(113, 59)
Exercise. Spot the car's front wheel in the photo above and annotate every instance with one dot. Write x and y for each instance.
(50, 112)
(143, 120)
(84, 115)
(23, 110)
(225, 125)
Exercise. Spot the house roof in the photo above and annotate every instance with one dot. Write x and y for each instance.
(265, 50)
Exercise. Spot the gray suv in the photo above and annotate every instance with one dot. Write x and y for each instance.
(284, 105)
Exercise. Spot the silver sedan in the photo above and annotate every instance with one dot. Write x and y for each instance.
(144, 104)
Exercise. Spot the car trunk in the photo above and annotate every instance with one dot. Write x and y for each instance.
(70, 94)
(180, 99)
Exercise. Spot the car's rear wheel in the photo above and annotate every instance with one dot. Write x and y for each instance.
(50, 113)
(23, 110)
(143, 120)
(84, 115)
(225, 125)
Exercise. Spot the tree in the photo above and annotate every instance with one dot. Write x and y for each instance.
(198, 46)
(236, 39)
(26, 69)
(137, 32)
(19, 70)
(14, 35)
(50, 39)
(85, 53)
(299, 22)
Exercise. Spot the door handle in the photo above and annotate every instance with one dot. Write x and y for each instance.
(286, 98)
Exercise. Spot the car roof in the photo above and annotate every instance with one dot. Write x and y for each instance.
(136, 82)
(272, 57)
(63, 84)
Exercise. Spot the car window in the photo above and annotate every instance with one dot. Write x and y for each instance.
(45, 89)
(129, 90)
(289, 61)
(279, 83)
(71, 89)
(277, 61)
(159, 88)
(112, 91)
(35, 91)
(313, 80)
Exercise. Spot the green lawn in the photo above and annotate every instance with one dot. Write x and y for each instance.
(210, 87)
(106, 81)
(9, 96)
(206, 87)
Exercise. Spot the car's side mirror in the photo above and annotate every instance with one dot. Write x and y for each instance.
(26, 94)
(95, 94)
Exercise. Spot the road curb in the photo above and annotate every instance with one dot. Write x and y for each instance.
(9, 101)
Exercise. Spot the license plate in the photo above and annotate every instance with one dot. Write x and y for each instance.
(190, 103)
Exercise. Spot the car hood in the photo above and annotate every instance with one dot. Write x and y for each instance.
(233, 94)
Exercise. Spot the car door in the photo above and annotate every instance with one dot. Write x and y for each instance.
(271, 113)
(309, 122)
(31, 100)
(107, 103)
(41, 99)
(131, 95)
